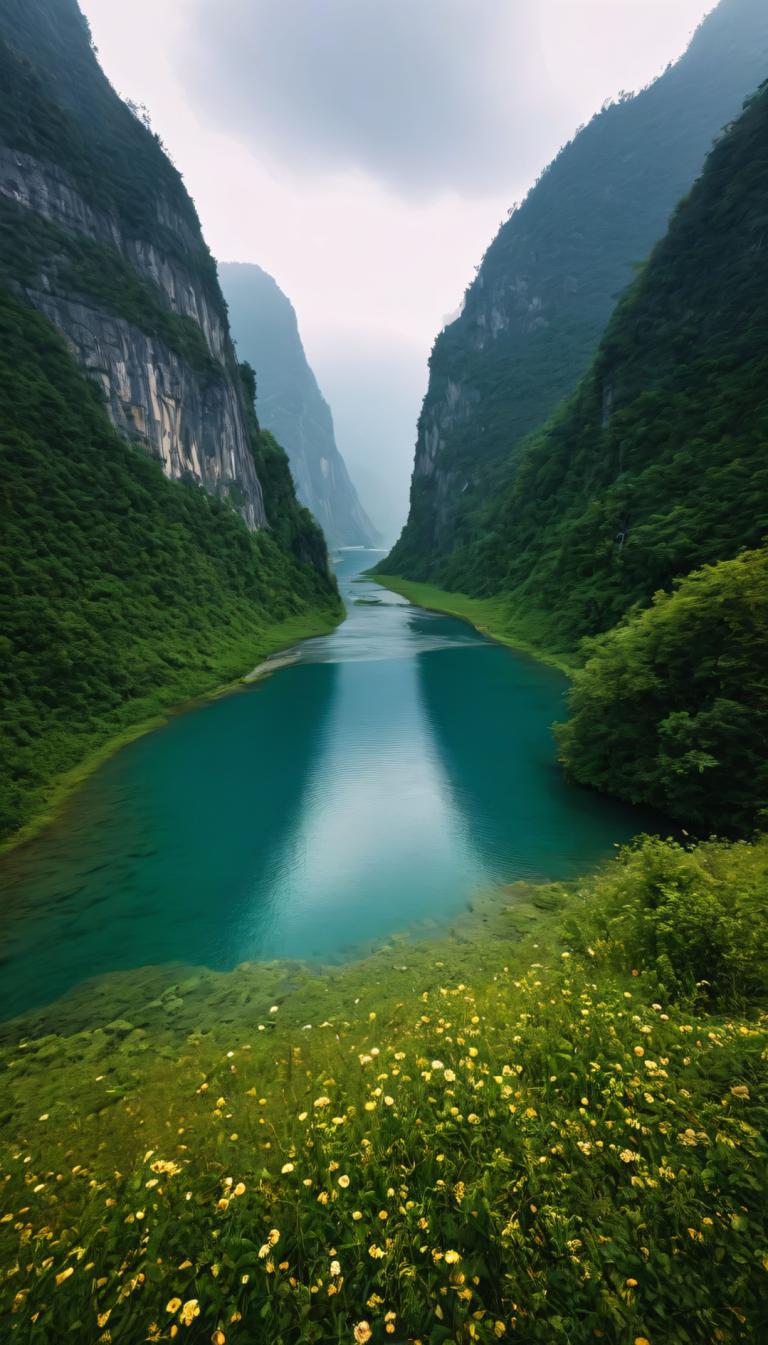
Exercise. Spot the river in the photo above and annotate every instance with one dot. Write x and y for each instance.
(399, 766)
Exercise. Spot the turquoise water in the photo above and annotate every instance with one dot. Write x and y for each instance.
(401, 765)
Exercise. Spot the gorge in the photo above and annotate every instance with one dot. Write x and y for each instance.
(383, 938)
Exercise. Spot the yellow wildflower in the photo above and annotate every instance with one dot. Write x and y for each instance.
(65, 1274)
(189, 1312)
(240, 1189)
(343, 1181)
(218, 1338)
(322, 1102)
(740, 1090)
(363, 1333)
(286, 1168)
(451, 1258)
(173, 1305)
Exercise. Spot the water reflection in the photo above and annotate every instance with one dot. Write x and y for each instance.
(402, 763)
(158, 856)
(493, 727)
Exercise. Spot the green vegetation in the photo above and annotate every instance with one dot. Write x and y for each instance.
(546, 289)
(550, 1126)
(604, 509)
(122, 592)
(671, 708)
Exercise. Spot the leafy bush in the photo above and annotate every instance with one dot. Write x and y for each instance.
(695, 919)
(671, 708)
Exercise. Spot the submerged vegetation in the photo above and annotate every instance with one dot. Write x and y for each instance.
(551, 1125)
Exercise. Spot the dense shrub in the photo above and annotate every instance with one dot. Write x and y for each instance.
(695, 920)
(671, 708)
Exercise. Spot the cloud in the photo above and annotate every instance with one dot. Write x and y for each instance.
(423, 97)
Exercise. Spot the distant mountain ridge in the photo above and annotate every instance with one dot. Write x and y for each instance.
(290, 403)
(547, 286)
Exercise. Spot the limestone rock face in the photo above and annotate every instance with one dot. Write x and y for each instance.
(192, 419)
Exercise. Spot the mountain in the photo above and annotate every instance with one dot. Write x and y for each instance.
(546, 288)
(152, 545)
(656, 465)
(290, 403)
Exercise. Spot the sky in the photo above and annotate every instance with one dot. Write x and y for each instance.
(364, 152)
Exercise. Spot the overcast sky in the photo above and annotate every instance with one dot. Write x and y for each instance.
(364, 153)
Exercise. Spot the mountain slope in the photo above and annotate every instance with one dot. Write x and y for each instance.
(123, 591)
(544, 293)
(657, 464)
(290, 403)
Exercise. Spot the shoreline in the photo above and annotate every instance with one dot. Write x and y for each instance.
(475, 611)
(65, 785)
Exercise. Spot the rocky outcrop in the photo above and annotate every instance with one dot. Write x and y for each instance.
(290, 403)
(193, 420)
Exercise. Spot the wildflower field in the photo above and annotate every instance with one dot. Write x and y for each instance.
(546, 1125)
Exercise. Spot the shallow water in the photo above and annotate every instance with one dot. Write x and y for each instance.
(399, 766)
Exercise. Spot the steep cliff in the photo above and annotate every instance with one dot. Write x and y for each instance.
(290, 404)
(151, 543)
(657, 464)
(117, 260)
(547, 285)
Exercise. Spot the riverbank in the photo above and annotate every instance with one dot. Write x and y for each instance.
(180, 695)
(490, 616)
(529, 1123)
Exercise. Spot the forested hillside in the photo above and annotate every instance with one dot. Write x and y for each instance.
(122, 591)
(548, 284)
(657, 464)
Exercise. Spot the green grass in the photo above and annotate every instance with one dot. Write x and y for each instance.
(534, 1127)
(493, 616)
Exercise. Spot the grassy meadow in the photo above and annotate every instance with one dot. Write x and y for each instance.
(546, 1123)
